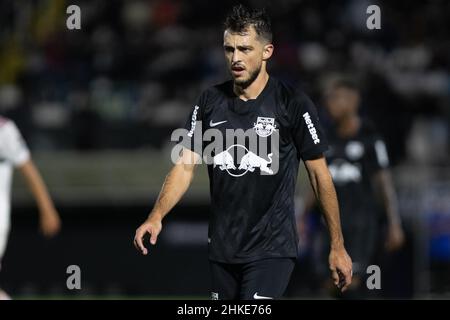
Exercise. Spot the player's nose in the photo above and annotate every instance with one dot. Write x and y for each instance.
(236, 57)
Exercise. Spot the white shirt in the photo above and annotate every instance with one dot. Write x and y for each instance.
(13, 153)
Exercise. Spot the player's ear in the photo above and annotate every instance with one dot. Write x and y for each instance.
(267, 51)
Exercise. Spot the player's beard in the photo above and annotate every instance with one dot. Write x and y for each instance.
(244, 83)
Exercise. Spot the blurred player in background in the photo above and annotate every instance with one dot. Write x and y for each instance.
(252, 231)
(359, 164)
(15, 154)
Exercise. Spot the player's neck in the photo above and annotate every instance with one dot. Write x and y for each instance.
(349, 126)
(254, 89)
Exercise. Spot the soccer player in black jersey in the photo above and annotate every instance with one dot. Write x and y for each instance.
(359, 164)
(261, 129)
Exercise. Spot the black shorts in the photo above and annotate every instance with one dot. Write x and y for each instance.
(261, 279)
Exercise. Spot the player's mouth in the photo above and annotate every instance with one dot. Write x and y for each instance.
(237, 70)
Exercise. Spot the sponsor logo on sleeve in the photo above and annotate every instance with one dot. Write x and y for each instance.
(311, 128)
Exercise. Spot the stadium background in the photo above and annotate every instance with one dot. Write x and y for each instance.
(97, 107)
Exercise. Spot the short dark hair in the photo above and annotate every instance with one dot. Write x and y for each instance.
(241, 18)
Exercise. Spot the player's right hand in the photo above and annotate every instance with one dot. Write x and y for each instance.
(151, 226)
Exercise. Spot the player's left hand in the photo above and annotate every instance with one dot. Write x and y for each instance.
(395, 238)
(341, 268)
(50, 223)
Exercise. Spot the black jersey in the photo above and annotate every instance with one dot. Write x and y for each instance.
(352, 163)
(252, 184)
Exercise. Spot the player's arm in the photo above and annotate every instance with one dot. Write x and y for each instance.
(323, 188)
(175, 185)
(50, 222)
(385, 187)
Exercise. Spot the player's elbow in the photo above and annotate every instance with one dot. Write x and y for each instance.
(319, 172)
(183, 172)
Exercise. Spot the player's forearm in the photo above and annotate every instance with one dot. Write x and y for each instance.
(325, 193)
(36, 186)
(389, 197)
(175, 185)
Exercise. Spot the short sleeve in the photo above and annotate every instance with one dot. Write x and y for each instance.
(12, 145)
(191, 133)
(307, 132)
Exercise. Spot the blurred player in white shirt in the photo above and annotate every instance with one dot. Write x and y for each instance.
(15, 154)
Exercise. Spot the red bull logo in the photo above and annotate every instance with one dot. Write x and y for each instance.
(235, 151)
(264, 126)
(248, 162)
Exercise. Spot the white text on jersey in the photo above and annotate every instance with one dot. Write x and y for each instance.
(312, 130)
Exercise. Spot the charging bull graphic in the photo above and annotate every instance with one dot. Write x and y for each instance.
(251, 161)
(224, 160)
(248, 162)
